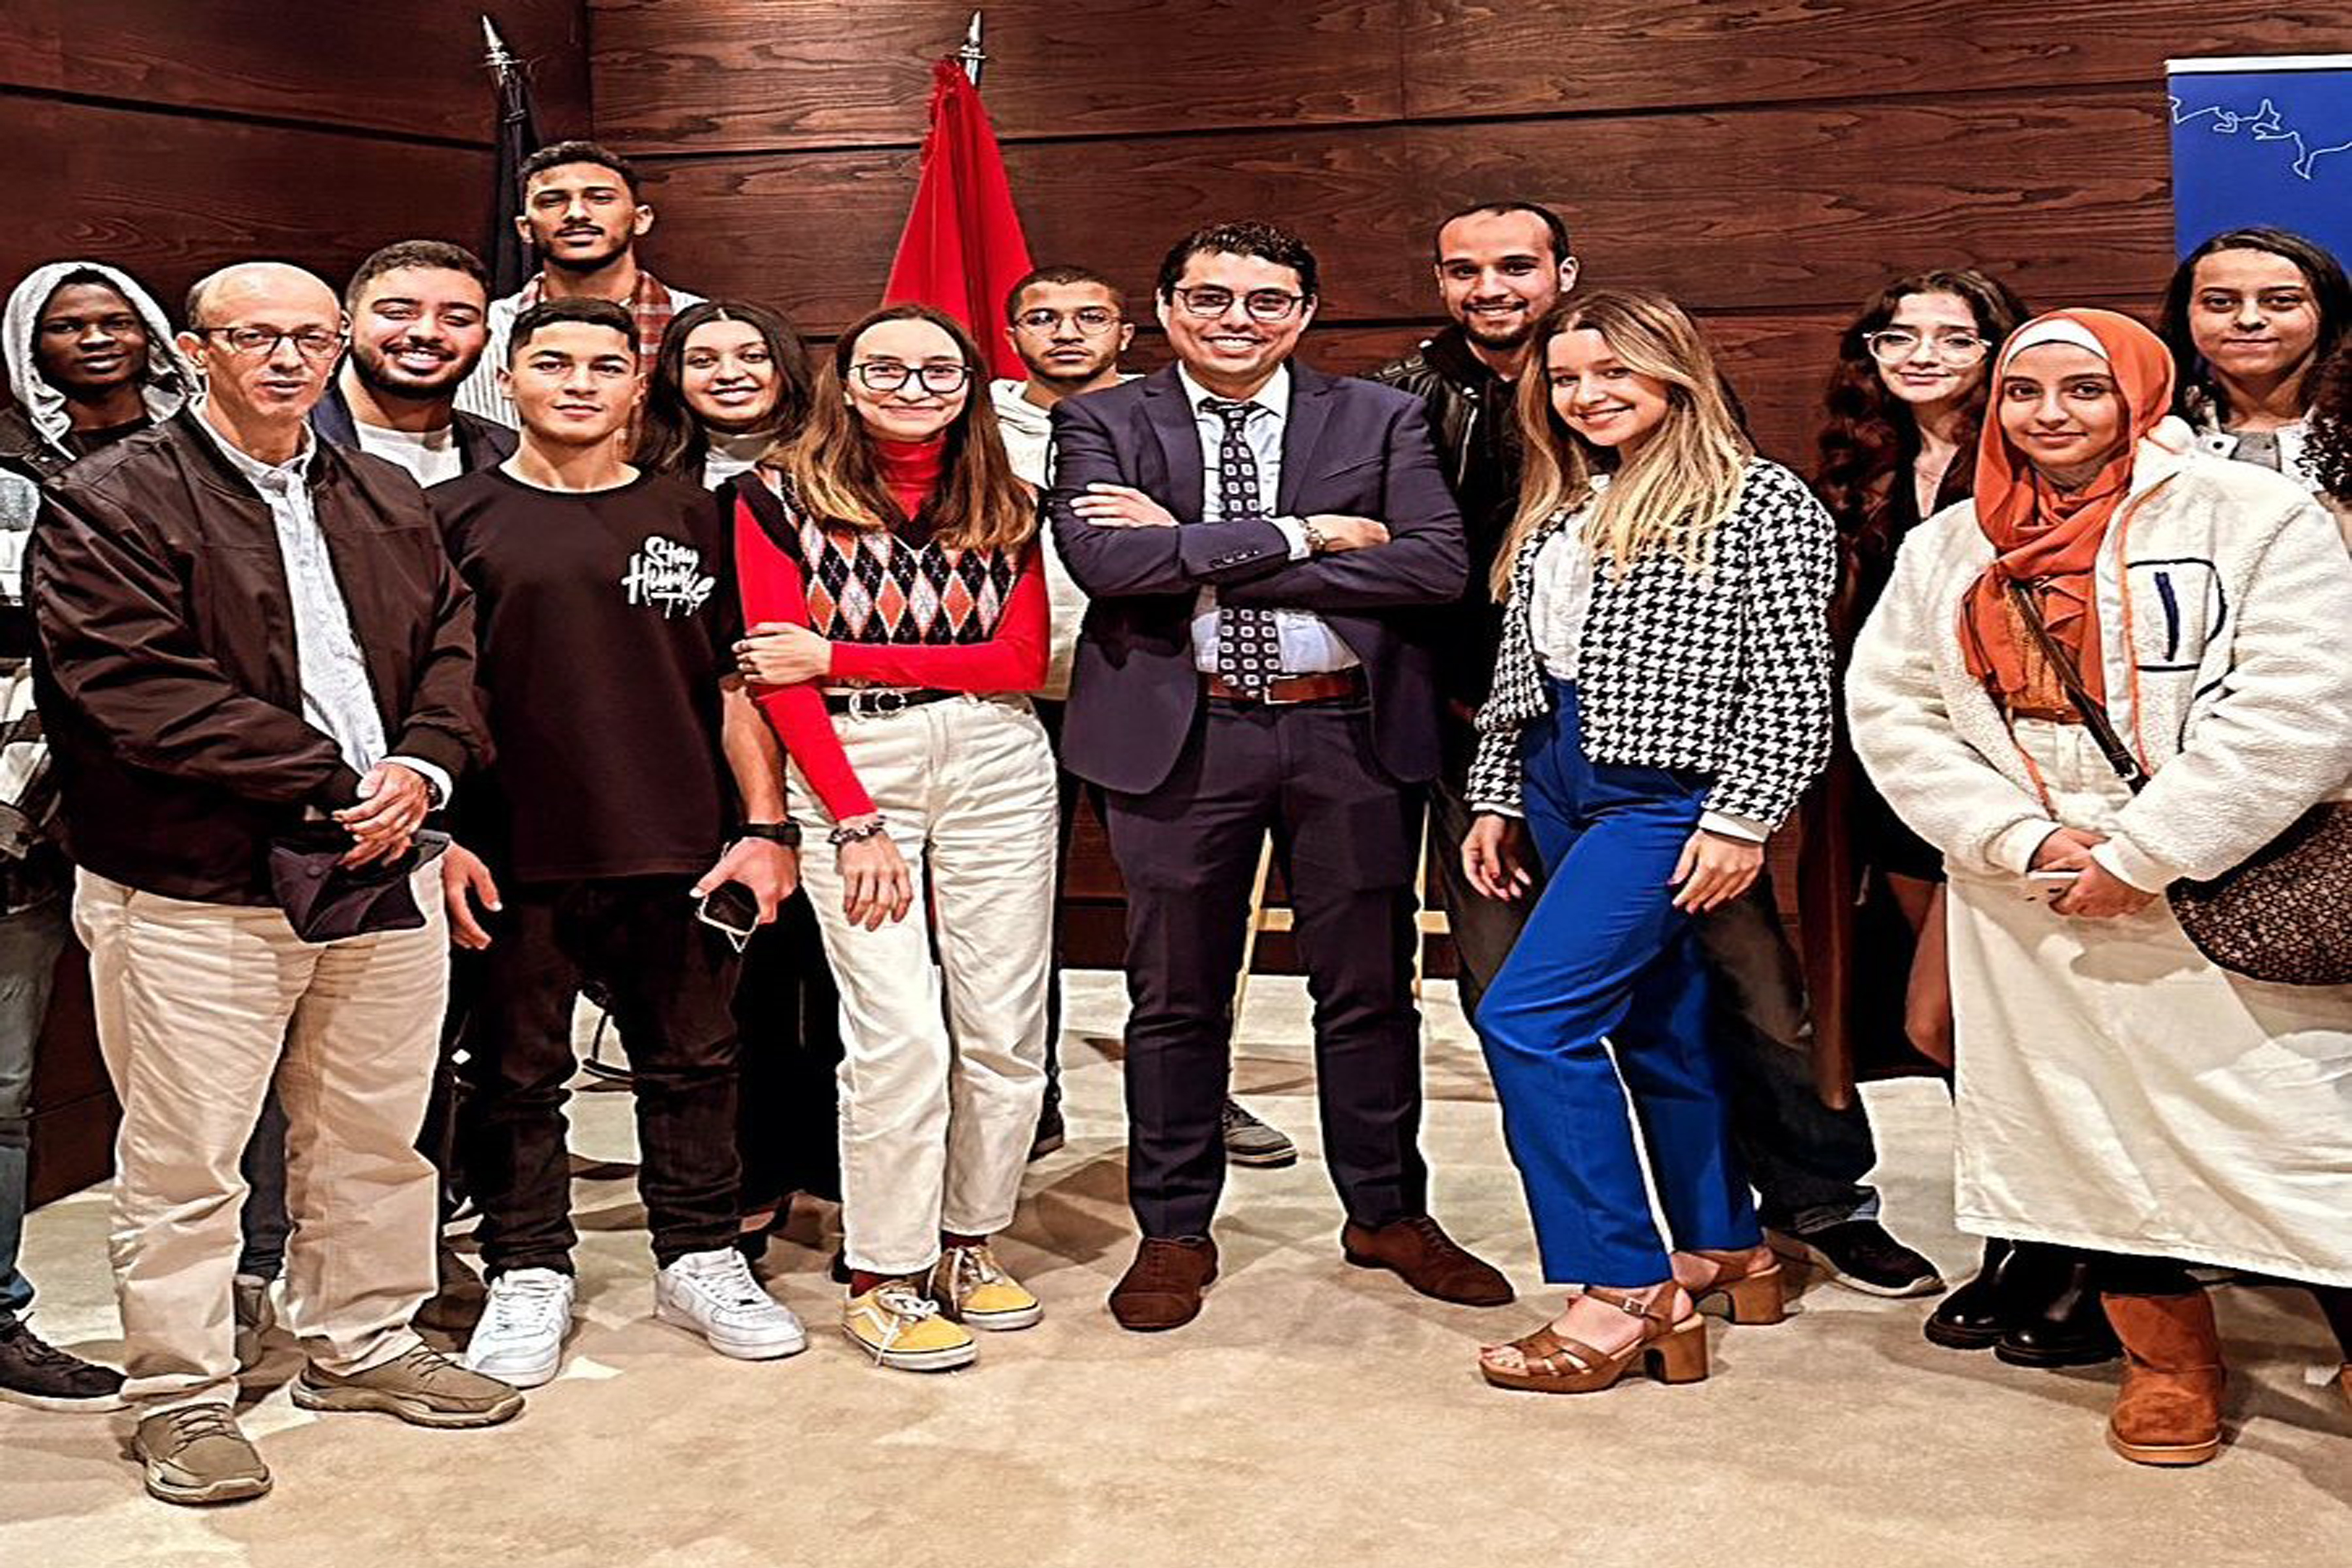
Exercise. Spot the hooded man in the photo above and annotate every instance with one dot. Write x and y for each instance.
(91, 360)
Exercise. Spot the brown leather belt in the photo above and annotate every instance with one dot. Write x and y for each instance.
(1336, 686)
(2065, 715)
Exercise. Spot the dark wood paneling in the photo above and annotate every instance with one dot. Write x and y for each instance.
(730, 75)
(1549, 56)
(1775, 208)
(29, 53)
(169, 198)
(2066, 196)
(408, 69)
(815, 231)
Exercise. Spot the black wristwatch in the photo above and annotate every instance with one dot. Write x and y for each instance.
(786, 833)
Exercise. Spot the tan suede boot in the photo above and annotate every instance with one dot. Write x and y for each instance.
(2168, 1411)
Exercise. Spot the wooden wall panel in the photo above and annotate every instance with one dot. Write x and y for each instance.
(413, 70)
(319, 198)
(737, 75)
(29, 55)
(1550, 57)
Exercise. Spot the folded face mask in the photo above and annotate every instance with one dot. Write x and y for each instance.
(326, 900)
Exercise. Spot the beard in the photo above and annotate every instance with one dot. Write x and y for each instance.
(369, 364)
(1515, 332)
(594, 261)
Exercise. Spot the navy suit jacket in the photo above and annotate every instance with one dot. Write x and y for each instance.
(1347, 446)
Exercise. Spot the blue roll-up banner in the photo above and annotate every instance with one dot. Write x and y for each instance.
(2263, 141)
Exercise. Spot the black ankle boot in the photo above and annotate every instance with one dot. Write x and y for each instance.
(1975, 1316)
(2061, 1322)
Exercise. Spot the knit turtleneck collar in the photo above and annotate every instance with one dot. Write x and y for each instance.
(910, 470)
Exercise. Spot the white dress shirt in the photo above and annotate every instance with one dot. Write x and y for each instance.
(337, 700)
(1308, 646)
(431, 457)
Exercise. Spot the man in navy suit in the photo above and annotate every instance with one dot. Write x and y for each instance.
(1248, 530)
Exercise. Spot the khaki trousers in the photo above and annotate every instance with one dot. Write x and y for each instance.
(944, 1065)
(199, 1007)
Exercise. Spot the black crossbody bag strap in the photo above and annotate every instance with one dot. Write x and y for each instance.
(2094, 712)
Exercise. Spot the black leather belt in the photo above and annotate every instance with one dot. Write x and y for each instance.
(883, 702)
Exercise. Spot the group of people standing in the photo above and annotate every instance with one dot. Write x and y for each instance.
(564, 627)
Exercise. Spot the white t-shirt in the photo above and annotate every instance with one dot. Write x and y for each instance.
(432, 455)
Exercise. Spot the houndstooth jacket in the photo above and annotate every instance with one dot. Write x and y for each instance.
(1723, 670)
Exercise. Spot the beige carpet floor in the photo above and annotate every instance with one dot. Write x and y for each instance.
(1315, 1414)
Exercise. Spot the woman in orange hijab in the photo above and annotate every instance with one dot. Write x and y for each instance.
(2115, 1090)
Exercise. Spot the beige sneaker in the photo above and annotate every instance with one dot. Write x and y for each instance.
(973, 1289)
(424, 1388)
(195, 1455)
(898, 1326)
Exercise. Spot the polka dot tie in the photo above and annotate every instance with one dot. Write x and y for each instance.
(1249, 650)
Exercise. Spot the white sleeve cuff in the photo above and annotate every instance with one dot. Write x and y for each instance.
(1296, 531)
(2127, 862)
(2013, 847)
(431, 772)
(1747, 829)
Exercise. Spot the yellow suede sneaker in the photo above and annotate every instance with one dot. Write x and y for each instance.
(900, 1327)
(973, 1289)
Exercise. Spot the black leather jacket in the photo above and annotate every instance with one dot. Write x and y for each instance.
(1471, 417)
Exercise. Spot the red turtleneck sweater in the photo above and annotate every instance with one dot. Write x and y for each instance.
(888, 637)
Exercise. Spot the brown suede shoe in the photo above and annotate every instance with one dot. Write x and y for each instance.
(1162, 1289)
(1417, 1251)
(2168, 1411)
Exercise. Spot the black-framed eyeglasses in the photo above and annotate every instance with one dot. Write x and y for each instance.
(1093, 321)
(260, 343)
(1901, 343)
(889, 375)
(1208, 302)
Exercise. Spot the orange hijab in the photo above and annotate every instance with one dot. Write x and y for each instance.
(2045, 537)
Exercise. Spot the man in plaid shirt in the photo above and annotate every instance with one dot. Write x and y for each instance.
(581, 212)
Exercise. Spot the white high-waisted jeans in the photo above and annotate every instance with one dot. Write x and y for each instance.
(940, 1092)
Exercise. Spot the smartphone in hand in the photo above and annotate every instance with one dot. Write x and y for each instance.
(730, 910)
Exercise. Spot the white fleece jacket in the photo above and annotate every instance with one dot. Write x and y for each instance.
(2225, 625)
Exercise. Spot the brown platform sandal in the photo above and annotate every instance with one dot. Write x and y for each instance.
(1670, 1352)
(1750, 1294)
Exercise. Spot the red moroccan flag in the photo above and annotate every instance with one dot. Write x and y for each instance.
(963, 250)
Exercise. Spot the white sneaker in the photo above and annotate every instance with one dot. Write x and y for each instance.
(519, 1339)
(714, 1294)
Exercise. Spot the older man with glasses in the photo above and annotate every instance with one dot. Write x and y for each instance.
(257, 685)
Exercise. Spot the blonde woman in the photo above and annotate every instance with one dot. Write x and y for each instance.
(1662, 700)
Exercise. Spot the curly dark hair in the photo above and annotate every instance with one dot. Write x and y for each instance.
(1268, 242)
(2197, 393)
(670, 440)
(1870, 433)
(2327, 451)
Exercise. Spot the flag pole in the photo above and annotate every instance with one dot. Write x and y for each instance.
(499, 61)
(972, 56)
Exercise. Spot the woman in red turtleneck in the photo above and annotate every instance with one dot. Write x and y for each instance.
(891, 575)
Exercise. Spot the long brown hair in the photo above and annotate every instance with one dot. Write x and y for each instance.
(979, 504)
(671, 437)
(1871, 433)
(1678, 486)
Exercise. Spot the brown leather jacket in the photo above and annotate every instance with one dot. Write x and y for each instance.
(166, 672)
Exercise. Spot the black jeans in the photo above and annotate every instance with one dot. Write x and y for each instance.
(671, 980)
(788, 1015)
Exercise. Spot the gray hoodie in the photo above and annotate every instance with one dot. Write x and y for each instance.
(42, 413)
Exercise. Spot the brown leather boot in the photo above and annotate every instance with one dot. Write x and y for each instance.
(2168, 1411)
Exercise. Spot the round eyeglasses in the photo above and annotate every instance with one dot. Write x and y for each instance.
(1956, 348)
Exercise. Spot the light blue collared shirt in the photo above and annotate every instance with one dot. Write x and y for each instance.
(1308, 646)
(337, 700)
